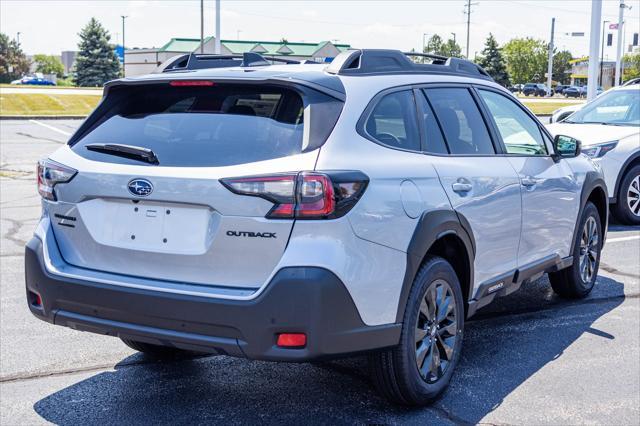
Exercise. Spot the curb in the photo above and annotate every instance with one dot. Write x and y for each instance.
(42, 117)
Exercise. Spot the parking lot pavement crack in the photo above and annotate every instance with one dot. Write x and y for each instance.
(27, 135)
(615, 271)
(449, 416)
(20, 377)
(11, 234)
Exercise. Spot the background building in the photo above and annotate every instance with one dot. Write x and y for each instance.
(144, 61)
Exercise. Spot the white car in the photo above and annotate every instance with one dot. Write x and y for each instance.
(609, 129)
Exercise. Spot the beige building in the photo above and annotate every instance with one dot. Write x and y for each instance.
(145, 61)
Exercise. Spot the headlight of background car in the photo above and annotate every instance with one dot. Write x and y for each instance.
(597, 151)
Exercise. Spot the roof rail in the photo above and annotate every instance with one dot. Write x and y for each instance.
(383, 61)
(194, 61)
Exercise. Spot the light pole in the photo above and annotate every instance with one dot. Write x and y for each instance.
(602, 53)
(619, 48)
(454, 37)
(594, 43)
(550, 63)
(124, 49)
(18, 38)
(424, 43)
(218, 46)
(468, 12)
(201, 26)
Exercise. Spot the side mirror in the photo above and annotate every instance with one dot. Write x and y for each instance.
(566, 146)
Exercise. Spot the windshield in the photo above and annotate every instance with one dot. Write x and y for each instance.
(617, 108)
(203, 126)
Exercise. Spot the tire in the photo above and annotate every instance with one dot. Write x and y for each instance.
(627, 207)
(160, 352)
(395, 371)
(577, 281)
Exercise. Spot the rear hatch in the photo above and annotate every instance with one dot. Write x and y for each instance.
(147, 200)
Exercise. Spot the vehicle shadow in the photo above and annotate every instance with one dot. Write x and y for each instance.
(509, 342)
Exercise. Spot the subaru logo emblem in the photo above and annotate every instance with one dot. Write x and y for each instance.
(140, 187)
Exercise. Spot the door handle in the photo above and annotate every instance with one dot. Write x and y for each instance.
(528, 181)
(461, 187)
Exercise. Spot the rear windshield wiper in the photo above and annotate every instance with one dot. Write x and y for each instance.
(127, 151)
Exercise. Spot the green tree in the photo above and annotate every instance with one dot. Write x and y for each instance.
(451, 49)
(562, 67)
(631, 63)
(49, 64)
(434, 45)
(96, 62)
(13, 62)
(526, 59)
(493, 62)
(437, 46)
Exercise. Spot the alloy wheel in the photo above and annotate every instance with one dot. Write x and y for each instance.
(436, 331)
(633, 196)
(589, 246)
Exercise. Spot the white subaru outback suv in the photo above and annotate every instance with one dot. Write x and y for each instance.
(300, 212)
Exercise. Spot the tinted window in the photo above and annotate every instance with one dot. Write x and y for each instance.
(393, 121)
(220, 125)
(434, 142)
(519, 132)
(462, 124)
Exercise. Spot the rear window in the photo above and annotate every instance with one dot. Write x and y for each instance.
(203, 126)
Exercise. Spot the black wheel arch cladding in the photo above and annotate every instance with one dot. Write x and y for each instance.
(432, 226)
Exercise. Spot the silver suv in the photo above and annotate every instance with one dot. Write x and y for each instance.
(297, 212)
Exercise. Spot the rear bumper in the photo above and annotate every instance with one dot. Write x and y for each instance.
(307, 300)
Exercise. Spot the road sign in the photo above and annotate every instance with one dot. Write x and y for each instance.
(613, 26)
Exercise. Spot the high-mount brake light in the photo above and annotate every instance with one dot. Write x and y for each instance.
(304, 195)
(183, 83)
(50, 174)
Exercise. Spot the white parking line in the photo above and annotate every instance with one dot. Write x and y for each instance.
(55, 129)
(619, 240)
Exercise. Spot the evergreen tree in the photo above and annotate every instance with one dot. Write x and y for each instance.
(493, 62)
(97, 61)
(13, 62)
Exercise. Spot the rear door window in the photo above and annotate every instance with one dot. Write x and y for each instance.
(461, 121)
(393, 121)
(202, 126)
(434, 142)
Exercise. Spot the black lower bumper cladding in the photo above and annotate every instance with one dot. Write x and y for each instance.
(308, 300)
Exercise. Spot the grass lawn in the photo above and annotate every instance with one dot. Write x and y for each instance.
(33, 86)
(15, 104)
(545, 107)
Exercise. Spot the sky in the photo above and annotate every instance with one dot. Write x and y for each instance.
(50, 26)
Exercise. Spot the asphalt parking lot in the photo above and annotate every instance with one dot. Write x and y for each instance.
(529, 358)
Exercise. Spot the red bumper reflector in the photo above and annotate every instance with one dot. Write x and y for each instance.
(292, 340)
(177, 83)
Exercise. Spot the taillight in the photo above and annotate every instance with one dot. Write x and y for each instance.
(304, 195)
(50, 174)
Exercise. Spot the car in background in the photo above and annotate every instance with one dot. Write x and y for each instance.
(571, 92)
(34, 80)
(564, 112)
(535, 89)
(560, 88)
(583, 91)
(609, 129)
(516, 88)
(632, 81)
